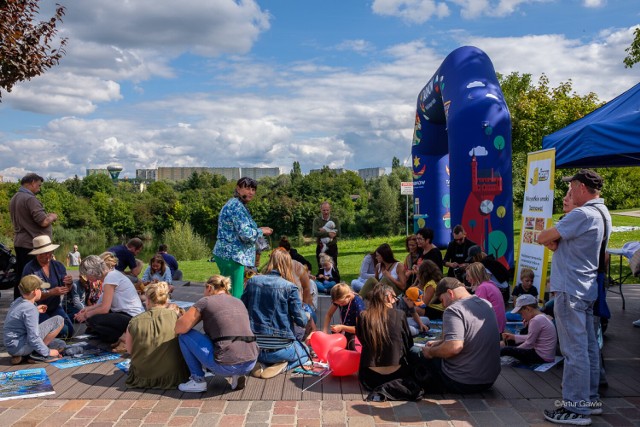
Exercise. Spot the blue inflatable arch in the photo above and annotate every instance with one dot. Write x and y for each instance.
(462, 155)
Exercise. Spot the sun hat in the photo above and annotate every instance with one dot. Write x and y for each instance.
(522, 301)
(42, 245)
(30, 283)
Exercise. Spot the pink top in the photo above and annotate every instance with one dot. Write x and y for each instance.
(542, 337)
(490, 292)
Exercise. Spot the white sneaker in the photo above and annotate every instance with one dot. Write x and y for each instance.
(238, 382)
(193, 386)
(637, 323)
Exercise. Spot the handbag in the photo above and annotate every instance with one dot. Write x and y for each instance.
(600, 307)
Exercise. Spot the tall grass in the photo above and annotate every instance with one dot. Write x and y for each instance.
(184, 243)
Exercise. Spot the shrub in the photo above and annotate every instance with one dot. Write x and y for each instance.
(185, 244)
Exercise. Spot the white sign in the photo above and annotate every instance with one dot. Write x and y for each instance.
(406, 188)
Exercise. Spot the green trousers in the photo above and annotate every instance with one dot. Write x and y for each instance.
(233, 271)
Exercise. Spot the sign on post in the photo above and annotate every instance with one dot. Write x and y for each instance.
(406, 188)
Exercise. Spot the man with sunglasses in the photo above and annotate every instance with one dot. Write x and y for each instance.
(457, 252)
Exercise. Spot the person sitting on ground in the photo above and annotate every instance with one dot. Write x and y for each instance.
(151, 340)
(539, 344)
(482, 286)
(388, 271)
(126, 255)
(118, 303)
(386, 341)
(411, 245)
(76, 299)
(275, 308)
(467, 358)
(497, 272)
(157, 271)
(350, 305)
(367, 271)
(302, 278)
(170, 260)
(328, 227)
(457, 253)
(54, 273)
(526, 284)
(295, 255)
(426, 248)
(23, 336)
(427, 279)
(228, 346)
(328, 275)
(407, 304)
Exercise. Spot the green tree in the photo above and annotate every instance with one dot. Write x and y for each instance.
(98, 183)
(395, 163)
(633, 51)
(25, 47)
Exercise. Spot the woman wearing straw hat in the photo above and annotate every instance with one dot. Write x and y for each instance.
(53, 272)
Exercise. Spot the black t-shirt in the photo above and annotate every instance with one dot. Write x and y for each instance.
(457, 253)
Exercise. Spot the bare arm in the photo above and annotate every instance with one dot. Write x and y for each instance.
(188, 321)
(48, 220)
(327, 318)
(549, 238)
(443, 349)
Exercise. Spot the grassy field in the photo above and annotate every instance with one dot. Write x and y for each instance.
(352, 252)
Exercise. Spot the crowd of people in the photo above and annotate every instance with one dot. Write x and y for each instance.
(258, 323)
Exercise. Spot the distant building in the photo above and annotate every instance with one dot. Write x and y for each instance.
(147, 174)
(370, 173)
(338, 171)
(181, 174)
(257, 173)
(102, 171)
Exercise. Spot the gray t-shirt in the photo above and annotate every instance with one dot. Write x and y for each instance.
(74, 258)
(125, 297)
(21, 328)
(226, 316)
(473, 321)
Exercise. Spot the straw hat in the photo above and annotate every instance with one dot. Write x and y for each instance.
(42, 245)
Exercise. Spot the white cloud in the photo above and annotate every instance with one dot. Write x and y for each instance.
(413, 11)
(594, 3)
(359, 46)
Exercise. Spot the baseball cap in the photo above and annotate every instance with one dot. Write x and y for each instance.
(522, 301)
(473, 251)
(30, 283)
(443, 286)
(587, 177)
(414, 294)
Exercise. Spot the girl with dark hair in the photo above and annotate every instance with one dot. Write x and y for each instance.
(411, 245)
(388, 271)
(157, 271)
(427, 278)
(384, 334)
(426, 248)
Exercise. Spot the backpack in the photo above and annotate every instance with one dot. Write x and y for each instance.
(8, 276)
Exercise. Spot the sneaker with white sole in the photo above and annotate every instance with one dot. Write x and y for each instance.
(596, 408)
(238, 382)
(636, 323)
(273, 370)
(564, 416)
(193, 386)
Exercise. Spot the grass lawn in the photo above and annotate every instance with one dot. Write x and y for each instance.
(352, 252)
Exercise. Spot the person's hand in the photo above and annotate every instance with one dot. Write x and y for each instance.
(42, 308)
(67, 280)
(552, 246)
(53, 216)
(507, 336)
(424, 328)
(426, 350)
(54, 353)
(320, 276)
(454, 264)
(81, 316)
(337, 328)
(266, 231)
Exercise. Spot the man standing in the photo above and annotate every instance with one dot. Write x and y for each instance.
(73, 257)
(319, 232)
(576, 241)
(457, 252)
(127, 257)
(467, 358)
(29, 220)
(171, 261)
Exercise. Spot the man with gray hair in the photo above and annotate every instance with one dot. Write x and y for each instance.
(577, 240)
(29, 220)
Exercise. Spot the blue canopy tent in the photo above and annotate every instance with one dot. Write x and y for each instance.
(608, 136)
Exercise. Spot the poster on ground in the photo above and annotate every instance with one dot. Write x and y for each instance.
(25, 383)
(537, 211)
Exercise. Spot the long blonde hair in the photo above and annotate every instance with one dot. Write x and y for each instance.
(157, 293)
(109, 259)
(477, 273)
(375, 318)
(280, 260)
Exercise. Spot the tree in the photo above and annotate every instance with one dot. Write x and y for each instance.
(633, 51)
(395, 163)
(25, 47)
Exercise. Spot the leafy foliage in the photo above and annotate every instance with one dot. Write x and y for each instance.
(633, 51)
(185, 244)
(25, 46)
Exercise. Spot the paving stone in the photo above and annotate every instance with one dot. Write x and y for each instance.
(261, 406)
(283, 419)
(135, 414)
(258, 416)
(157, 417)
(181, 421)
(487, 419)
(186, 412)
(475, 405)
(361, 421)
(333, 417)
(88, 412)
(237, 407)
(308, 414)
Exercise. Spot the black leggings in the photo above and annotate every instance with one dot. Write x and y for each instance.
(527, 356)
(110, 326)
(371, 379)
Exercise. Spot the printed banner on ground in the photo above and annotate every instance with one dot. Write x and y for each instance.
(537, 211)
(25, 383)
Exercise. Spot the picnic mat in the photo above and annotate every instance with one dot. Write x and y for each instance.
(538, 367)
(25, 383)
(90, 355)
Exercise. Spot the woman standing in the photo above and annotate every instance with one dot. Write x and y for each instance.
(426, 248)
(237, 234)
(411, 244)
(118, 303)
(151, 340)
(227, 347)
(388, 271)
(384, 334)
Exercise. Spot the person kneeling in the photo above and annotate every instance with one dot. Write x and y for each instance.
(229, 347)
(539, 344)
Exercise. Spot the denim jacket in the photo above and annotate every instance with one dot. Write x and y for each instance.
(274, 306)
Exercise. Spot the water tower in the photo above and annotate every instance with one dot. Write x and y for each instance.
(114, 171)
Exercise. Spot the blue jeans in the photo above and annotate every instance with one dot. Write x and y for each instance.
(197, 350)
(413, 325)
(294, 353)
(325, 287)
(579, 346)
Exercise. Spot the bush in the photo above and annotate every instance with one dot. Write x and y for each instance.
(185, 244)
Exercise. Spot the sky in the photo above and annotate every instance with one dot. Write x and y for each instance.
(223, 83)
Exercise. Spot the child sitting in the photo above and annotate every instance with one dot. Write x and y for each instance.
(157, 271)
(350, 304)
(23, 336)
(412, 299)
(539, 344)
(327, 275)
(329, 227)
(526, 284)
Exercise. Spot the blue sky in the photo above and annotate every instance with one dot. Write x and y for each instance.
(266, 83)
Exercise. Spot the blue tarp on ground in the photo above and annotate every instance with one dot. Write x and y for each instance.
(608, 136)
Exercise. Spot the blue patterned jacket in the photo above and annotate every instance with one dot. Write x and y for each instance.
(237, 234)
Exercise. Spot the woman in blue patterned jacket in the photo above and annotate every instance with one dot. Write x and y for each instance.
(237, 234)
